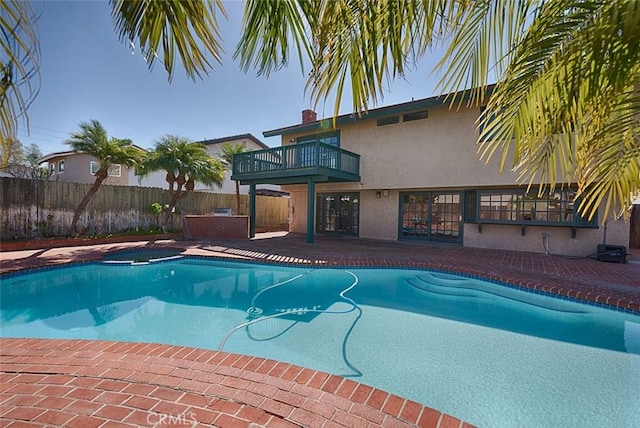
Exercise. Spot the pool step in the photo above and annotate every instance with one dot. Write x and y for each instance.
(449, 285)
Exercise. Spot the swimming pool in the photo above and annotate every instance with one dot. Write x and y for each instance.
(488, 354)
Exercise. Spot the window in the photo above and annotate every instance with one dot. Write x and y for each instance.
(338, 213)
(115, 170)
(482, 122)
(388, 120)
(417, 115)
(518, 206)
(500, 206)
(431, 216)
(328, 156)
(471, 206)
(332, 139)
(60, 166)
(52, 168)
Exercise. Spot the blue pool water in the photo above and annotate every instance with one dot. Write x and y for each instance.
(489, 354)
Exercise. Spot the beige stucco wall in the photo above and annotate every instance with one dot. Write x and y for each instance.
(379, 216)
(77, 169)
(437, 153)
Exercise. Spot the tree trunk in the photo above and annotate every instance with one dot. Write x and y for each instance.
(176, 195)
(100, 177)
(238, 198)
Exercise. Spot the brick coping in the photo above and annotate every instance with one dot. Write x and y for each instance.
(83, 383)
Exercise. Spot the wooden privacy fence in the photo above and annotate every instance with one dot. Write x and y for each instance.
(32, 208)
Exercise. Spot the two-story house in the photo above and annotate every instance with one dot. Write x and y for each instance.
(411, 172)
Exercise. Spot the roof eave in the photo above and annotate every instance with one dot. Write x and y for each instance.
(55, 155)
(235, 138)
(325, 124)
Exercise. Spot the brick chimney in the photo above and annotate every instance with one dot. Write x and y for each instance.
(308, 116)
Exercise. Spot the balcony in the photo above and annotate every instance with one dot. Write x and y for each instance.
(296, 163)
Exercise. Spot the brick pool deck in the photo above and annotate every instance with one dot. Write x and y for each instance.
(79, 383)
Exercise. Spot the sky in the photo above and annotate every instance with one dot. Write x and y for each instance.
(87, 73)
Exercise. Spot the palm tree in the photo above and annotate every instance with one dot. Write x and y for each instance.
(92, 140)
(566, 101)
(226, 154)
(185, 163)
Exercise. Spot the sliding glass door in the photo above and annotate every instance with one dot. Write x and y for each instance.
(338, 213)
(431, 216)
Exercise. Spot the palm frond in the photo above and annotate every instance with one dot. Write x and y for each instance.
(366, 45)
(353, 43)
(268, 27)
(180, 157)
(19, 66)
(482, 37)
(227, 150)
(610, 158)
(162, 27)
(567, 105)
(92, 139)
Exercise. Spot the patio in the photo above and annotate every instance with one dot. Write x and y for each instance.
(98, 383)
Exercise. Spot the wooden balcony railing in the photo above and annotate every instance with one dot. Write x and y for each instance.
(297, 161)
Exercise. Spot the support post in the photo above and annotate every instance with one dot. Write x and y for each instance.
(311, 198)
(252, 210)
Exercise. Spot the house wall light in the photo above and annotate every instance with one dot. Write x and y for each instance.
(378, 194)
(385, 193)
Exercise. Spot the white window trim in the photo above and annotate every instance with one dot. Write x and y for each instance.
(60, 168)
(112, 169)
